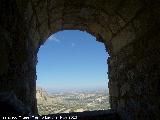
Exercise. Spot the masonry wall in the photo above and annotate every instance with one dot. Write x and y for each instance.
(17, 57)
(132, 39)
(134, 71)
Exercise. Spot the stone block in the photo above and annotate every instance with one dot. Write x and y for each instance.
(41, 12)
(113, 89)
(142, 23)
(56, 26)
(44, 31)
(116, 23)
(55, 15)
(125, 88)
(129, 8)
(123, 38)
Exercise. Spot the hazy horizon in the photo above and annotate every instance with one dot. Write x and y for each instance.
(73, 89)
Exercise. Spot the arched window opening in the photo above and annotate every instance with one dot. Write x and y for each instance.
(72, 74)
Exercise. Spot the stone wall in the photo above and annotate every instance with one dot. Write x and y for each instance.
(17, 56)
(134, 72)
(128, 28)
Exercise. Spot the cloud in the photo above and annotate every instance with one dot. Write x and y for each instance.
(72, 44)
(53, 38)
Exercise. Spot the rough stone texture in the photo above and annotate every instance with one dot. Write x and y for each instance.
(137, 77)
(11, 106)
(128, 28)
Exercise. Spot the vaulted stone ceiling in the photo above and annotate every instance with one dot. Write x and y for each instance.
(105, 19)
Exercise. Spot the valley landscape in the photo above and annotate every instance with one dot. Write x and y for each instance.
(51, 102)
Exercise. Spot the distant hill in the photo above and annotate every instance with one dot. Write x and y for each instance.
(41, 95)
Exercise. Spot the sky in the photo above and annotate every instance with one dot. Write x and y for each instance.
(72, 59)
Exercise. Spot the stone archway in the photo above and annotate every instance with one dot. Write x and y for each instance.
(129, 29)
